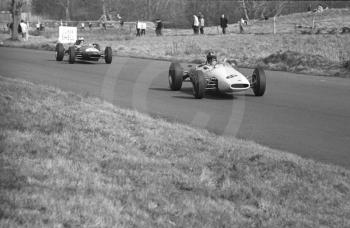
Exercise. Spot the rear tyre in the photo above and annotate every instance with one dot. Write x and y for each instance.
(199, 85)
(108, 55)
(59, 52)
(259, 82)
(71, 52)
(175, 76)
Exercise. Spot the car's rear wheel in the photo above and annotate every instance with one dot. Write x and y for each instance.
(175, 76)
(71, 52)
(199, 84)
(108, 55)
(258, 82)
(59, 52)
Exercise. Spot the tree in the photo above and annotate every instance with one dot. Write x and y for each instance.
(66, 5)
(16, 11)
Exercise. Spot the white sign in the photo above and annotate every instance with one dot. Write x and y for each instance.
(67, 34)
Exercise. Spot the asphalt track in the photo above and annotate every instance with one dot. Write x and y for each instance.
(305, 115)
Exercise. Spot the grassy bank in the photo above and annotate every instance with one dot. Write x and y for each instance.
(73, 161)
(317, 53)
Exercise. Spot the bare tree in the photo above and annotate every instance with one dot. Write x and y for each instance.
(66, 5)
(16, 11)
(244, 6)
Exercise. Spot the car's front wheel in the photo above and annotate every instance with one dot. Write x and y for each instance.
(71, 51)
(175, 76)
(108, 55)
(59, 52)
(258, 82)
(199, 84)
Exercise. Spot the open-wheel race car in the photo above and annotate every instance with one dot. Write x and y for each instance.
(215, 76)
(82, 51)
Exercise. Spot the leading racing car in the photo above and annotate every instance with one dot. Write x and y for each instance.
(82, 51)
(218, 76)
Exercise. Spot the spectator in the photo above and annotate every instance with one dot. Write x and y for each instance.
(37, 26)
(201, 23)
(241, 30)
(90, 25)
(103, 20)
(159, 26)
(42, 27)
(24, 30)
(138, 28)
(244, 22)
(143, 28)
(82, 26)
(19, 28)
(9, 27)
(195, 24)
(223, 23)
(309, 8)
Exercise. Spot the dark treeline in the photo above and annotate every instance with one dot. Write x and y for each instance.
(175, 13)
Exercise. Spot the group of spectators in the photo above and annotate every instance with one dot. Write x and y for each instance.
(198, 23)
(22, 29)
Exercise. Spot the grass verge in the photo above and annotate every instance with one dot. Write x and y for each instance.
(73, 161)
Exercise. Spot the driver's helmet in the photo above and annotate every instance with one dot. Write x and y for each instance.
(211, 58)
(80, 41)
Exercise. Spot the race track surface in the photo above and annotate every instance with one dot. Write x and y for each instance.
(305, 115)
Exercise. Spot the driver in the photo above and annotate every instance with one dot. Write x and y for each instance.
(211, 58)
(80, 41)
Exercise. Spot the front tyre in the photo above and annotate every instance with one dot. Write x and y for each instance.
(71, 52)
(59, 52)
(199, 84)
(108, 55)
(259, 82)
(175, 76)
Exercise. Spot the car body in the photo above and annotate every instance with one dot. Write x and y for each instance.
(82, 51)
(222, 77)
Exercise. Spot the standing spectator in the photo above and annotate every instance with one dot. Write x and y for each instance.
(241, 30)
(138, 28)
(19, 28)
(201, 23)
(9, 27)
(82, 26)
(195, 24)
(244, 22)
(42, 27)
(309, 8)
(223, 23)
(143, 28)
(24, 30)
(159, 26)
(103, 20)
(90, 25)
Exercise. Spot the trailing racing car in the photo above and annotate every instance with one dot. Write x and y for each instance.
(218, 76)
(82, 51)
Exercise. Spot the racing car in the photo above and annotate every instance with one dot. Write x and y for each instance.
(82, 51)
(216, 76)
